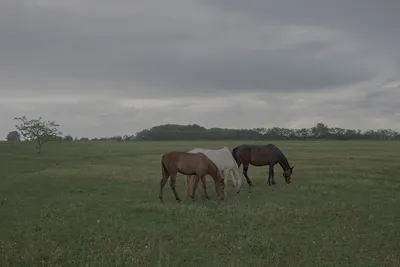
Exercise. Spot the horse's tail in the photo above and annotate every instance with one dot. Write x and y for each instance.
(234, 155)
(164, 170)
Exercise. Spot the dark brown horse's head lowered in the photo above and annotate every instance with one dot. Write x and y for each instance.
(288, 174)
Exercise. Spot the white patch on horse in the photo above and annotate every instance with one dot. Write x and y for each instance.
(225, 163)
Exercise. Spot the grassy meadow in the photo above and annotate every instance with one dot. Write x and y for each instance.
(96, 204)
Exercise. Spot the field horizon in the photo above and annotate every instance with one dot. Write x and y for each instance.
(95, 203)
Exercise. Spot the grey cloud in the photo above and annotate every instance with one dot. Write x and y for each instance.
(373, 20)
(382, 103)
(106, 50)
(374, 23)
(53, 43)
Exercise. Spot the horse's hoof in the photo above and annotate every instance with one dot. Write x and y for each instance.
(207, 197)
(179, 200)
(273, 182)
(238, 192)
(222, 198)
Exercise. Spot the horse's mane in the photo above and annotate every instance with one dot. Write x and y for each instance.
(281, 155)
(214, 166)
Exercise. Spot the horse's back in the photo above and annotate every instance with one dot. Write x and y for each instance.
(271, 147)
(186, 163)
(257, 155)
(182, 156)
(205, 150)
(243, 151)
(273, 150)
(221, 157)
(196, 150)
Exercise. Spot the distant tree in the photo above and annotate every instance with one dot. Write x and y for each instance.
(116, 138)
(13, 136)
(128, 137)
(84, 139)
(68, 138)
(57, 138)
(320, 131)
(38, 130)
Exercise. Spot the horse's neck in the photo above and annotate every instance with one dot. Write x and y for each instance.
(212, 170)
(284, 163)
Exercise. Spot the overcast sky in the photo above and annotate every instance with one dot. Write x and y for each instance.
(102, 68)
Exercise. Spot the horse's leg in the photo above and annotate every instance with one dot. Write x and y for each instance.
(223, 175)
(235, 180)
(188, 185)
(200, 188)
(226, 178)
(245, 169)
(230, 171)
(162, 183)
(172, 184)
(203, 181)
(195, 184)
(238, 179)
(271, 166)
(270, 172)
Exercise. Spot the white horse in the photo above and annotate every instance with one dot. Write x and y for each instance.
(225, 162)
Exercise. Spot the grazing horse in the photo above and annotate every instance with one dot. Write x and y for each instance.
(190, 164)
(261, 155)
(225, 163)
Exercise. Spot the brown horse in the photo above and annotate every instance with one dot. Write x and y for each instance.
(261, 155)
(196, 164)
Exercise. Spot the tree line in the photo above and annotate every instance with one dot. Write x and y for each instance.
(41, 131)
(318, 132)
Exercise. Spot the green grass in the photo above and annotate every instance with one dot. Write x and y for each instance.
(96, 204)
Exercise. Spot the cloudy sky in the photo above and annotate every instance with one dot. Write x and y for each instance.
(102, 68)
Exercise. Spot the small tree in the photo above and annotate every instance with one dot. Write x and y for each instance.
(13, 136)
(38, 130)
(68, 138)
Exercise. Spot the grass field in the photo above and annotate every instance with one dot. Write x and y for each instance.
(96, 204)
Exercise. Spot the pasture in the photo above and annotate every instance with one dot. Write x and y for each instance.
(96, 204)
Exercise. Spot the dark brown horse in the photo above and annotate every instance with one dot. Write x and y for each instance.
(261, 155)
(196, 164)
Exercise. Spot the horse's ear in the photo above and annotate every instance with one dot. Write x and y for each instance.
(292, 167)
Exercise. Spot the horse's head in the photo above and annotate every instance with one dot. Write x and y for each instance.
(288, 174)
